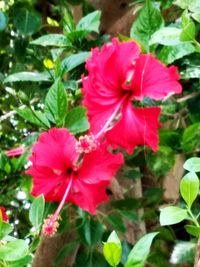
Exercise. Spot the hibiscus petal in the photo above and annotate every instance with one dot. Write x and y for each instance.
(99, 165)
(56, 149)
(137, 126)
(88, 196)
(46, 182)
(100, 105)
(102, 88)
(111, 63)
(153, 79)
(3, 214)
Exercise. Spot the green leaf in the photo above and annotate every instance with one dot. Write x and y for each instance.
(90, 230)
(91, 22)
(161, 162)
(192, 165)
(183, 3)
(77, 36)
(148, 21)
(172, 215)
(37, 211)
(112, 253)
(114, 238)
(196, 16)
(5, 229)
(68, 22)
(27, 77)
(56, 103)
(131, 215)
(24, 262)
(166, 36)
(74, 61)
(3, 161)
(112, 249)
(35, 117)
(185, 18)
(27, 22)
(189, 188)
(76, 120)
(194, 6)
(190, 139)
(21, 161)
(188, 33)
(188, 28)
(14, 250)
(126, 204)
(3, 21)
(138, 255)
(57, 40)
(117, 222)
(171, 53)
(193, 230)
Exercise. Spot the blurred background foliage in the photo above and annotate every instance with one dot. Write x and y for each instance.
(44, 45)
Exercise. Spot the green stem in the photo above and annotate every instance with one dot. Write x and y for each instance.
(197, 44)
(193, 218)
(197, 215)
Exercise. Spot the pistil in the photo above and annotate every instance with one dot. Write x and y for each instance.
(51, 224)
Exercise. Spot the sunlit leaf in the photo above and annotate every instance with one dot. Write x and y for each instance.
(138, 255)
(172, 215)
(37, 211)
(112, 249)
(192, 164)
(90, 22)
(148, 21)
(56, 103)
(14, 250)
(73, 61)
(189, 188)
(28, 77)
(57, 40)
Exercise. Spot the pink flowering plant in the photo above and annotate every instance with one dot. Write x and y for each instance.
(95, 141)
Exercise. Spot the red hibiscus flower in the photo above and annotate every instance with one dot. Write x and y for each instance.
(3, 214)
(117, 75)
(60, 174)
(18, 151)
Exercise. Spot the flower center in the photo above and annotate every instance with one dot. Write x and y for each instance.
(86, 144)
(69, 171)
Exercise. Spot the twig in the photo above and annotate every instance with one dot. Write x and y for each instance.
(138, 193)
(185, 98)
